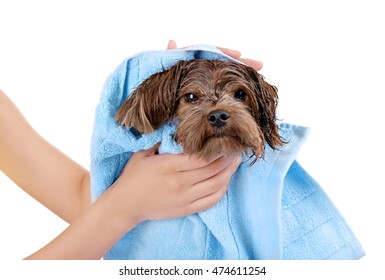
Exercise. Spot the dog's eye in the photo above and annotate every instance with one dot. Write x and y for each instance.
(191, 97)
(240, 95)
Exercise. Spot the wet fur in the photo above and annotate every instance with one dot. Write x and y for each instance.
(164, 97)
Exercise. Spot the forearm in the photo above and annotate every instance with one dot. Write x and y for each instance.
(39, 168)
(92, 234)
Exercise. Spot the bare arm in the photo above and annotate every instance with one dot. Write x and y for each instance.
(38, 168)
(178, 186)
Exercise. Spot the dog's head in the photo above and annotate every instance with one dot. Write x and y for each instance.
(223, 107)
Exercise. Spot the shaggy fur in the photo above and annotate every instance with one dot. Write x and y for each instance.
(222, 107)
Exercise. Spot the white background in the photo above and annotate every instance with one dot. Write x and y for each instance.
(325, 57)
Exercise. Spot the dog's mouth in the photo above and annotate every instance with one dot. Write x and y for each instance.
(221, 133)
(218, 135)
(224, 140)
(218, 142)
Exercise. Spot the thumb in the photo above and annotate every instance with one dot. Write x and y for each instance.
(145, 153)
(171, 45)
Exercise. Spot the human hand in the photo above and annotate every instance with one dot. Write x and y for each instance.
(156, 187)
(257, 65)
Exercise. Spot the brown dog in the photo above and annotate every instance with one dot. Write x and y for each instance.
(222, 107)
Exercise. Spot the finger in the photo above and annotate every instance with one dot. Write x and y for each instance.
(233, 53)
(194, 176)
(215, 183)
(171, 45)
(183, 162)
(208, 201)
(146, 153)
(257, 65)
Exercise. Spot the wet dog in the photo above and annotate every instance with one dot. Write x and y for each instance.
(221, 107)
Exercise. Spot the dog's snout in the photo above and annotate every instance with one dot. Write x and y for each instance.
(218, 118)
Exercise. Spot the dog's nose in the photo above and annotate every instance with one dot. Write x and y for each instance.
(218, 118)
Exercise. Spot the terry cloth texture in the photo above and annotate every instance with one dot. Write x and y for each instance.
(272, 210)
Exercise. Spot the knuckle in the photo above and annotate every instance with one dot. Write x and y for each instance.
(218, 166)
(222, 179)
(215, 187)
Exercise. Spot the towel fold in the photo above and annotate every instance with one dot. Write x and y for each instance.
(272, 210)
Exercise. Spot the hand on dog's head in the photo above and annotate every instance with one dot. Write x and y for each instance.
(222, 107)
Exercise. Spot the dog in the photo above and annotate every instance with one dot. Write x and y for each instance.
(222, 108)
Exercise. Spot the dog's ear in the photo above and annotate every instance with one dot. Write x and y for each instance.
(154, 102)
(265, 111)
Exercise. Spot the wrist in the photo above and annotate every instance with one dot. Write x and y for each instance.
(121, 210)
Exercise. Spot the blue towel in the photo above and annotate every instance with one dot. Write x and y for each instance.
(272, 210)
